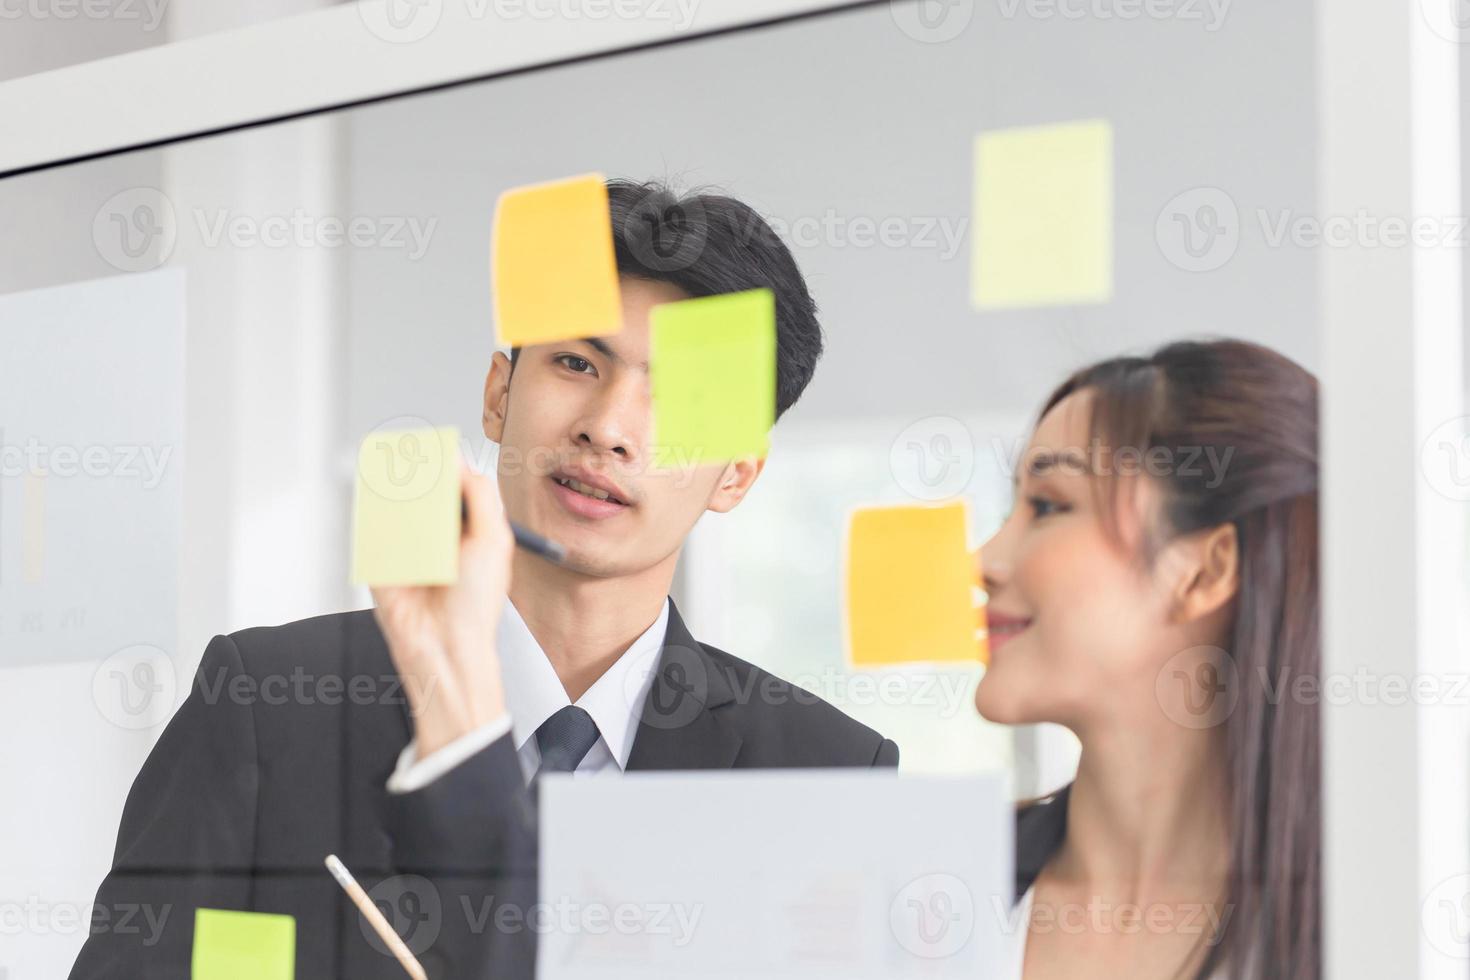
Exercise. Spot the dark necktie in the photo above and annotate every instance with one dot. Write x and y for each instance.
(565, 739)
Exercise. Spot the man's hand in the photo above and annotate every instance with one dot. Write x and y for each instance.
(442, 637)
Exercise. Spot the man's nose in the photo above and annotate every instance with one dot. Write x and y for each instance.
(617, 422)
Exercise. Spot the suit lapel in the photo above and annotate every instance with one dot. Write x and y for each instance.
(374, 732)
(681, 726)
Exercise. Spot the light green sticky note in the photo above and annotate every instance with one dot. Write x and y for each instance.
(713, 367)
(407, 522)
(1043, 223)
(243, 946)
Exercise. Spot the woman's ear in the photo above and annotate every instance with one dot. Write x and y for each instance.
(1210, 567)
(734, 483)
(497, 396)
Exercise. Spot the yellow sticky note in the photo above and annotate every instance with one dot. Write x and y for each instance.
(713, 376)
(243, 946)
(407, 523)
(910, 586)
(554, 270)
(1043, 222)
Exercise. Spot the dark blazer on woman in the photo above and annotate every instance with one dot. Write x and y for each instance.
(1040, 828)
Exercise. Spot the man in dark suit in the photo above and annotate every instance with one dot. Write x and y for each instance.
(408, 739)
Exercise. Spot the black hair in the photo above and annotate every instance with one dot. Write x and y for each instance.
(707, 244)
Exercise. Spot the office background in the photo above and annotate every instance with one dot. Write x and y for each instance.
(834, 128)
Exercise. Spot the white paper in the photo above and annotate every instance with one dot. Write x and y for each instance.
(788, 874)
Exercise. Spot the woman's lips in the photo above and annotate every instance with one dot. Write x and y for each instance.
(1001, 628)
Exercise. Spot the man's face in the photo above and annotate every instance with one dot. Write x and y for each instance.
(574, 423)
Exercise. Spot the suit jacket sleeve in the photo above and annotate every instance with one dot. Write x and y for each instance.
(473, 833)
(187, 835)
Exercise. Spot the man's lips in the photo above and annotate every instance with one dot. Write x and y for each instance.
(592, 483)
(572, 496)
(1002, 627)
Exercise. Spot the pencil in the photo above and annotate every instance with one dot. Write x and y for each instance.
(527, 540)
(537, 545)
(370, 912)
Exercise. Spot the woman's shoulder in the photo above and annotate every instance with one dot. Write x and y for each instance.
(1041, 825)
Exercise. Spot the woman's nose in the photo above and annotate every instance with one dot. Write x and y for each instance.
(992, 563)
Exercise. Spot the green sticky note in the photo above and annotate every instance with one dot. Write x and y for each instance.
(1043, 222)
(407, 521)
(713, 367)
(243, 946)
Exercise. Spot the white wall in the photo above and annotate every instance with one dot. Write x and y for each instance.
(264, 353)
(38, 35)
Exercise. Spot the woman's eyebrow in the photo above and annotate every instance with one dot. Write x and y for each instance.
(1046, 461)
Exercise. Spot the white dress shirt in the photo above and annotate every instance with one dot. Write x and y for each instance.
(533, 693)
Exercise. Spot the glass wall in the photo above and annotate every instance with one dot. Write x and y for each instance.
(196, 338)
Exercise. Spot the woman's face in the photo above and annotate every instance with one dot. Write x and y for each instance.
(1072, 612)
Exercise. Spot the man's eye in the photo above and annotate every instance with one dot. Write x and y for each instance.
(572, 362)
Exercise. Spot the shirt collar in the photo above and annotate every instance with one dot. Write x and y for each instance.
(533, 692)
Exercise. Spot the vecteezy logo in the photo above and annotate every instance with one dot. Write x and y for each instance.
(666, 236)
(933, 459)
(1199, 230)
(1445, 458)
(402, 459)
(677, 684)
(406, 449)
(933, 916)
(1450, 19)
(1198, 687)
(1446, 916)
(136, 687)
(412, 905)
(932, 21)
(136, 230)
(401, 21)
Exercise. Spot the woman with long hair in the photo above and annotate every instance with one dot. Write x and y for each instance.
(1155, 590)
